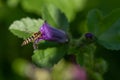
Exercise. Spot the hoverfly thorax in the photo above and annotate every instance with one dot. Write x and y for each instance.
(32, 38)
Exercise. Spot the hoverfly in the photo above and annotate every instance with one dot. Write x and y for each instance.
(32, 38)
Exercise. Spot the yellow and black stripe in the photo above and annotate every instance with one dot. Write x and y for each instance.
(32, 38)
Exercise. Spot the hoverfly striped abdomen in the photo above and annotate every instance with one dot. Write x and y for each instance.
(32, 38)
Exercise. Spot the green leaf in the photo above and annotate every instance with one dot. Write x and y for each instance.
(100, 66)
(96, 76)
(69, 7)
(12, 3)
(55, 17)
(93, 20)
(50, 55)
(109, 20)
(34, 6)
(110, 31)
(111, 38)
(106, 29)
(80, 59)
(85, 55)
(25, 27)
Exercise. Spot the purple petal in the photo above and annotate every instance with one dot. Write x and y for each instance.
(52, 34)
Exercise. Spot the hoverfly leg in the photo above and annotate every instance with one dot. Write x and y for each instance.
(35, 44)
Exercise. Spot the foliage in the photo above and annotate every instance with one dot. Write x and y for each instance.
(65, 15)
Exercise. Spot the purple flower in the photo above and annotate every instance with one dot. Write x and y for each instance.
(78, 73)
(51, 34)
(74, 72)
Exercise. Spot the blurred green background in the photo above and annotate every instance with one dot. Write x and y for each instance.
(76, 12)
